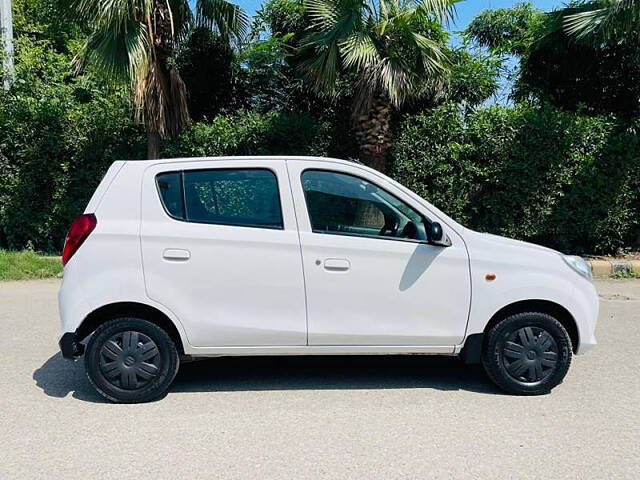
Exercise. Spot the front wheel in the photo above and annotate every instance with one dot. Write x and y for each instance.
(130, 360)
(527, 353)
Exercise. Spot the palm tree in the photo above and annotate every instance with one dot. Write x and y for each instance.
(605, 20)
(386, 46)
(136, 41)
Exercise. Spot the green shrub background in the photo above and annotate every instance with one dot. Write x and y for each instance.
(537, 174)
(568, 180)
(533, 173)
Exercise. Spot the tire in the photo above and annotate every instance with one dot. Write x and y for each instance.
(130, 360)
(527, 353)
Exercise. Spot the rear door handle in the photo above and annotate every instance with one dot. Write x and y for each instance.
(337, 264)
(176, 254)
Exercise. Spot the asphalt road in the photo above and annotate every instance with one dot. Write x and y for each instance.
(299, 418)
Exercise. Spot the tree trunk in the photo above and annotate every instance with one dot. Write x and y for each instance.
(372, 134)
(153, 145)
(160, 96)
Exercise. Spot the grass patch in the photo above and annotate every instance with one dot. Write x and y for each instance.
(27, 264)
(625, 274)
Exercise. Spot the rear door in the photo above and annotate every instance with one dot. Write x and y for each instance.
(220, 249)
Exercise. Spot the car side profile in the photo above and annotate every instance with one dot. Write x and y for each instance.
(201, 257)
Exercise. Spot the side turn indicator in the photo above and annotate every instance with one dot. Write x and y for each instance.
(490, 276)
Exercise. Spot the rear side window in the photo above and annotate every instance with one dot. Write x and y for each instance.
(240, 197)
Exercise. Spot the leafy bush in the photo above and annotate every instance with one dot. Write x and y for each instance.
(53, 153)
(250, 133)
(58, 134)
(204, 63)
(536, 174)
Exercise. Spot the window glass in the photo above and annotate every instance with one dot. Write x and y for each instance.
(246, 197)
(170, 188)
(341, 203)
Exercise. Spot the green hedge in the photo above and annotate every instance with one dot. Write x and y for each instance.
(59, 131)
(249, 133)
(55, 150)
(537, 174)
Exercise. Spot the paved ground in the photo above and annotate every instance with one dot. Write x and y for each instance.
(380, 417)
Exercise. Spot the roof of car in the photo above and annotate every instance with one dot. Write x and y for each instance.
(249, 157)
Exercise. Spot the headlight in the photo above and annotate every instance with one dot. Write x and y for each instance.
(579, 265)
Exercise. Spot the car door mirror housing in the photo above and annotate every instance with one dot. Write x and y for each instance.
(437, 236)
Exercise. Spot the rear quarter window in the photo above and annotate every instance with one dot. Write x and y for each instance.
(170, 189)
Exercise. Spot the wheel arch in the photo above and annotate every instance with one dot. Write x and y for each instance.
(474, 344)
(554, 309)
(129, 309)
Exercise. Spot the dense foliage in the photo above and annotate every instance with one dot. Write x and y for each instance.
(205, 63)
(560, 167)
(58, 133)
(555, 67)
(537, 174)
(250, 133)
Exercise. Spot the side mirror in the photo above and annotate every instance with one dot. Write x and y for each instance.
(437, 236)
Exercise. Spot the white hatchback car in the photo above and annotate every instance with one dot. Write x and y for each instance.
(183, 258)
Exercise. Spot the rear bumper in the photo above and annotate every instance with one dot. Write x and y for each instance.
(70, 347)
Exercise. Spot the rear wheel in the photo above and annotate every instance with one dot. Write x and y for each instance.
(130, 360)
(527, 353)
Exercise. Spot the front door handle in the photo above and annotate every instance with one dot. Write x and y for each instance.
(176, 254)
(337, 264)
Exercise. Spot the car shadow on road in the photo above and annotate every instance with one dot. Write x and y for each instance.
(331, 373)
(58, 377)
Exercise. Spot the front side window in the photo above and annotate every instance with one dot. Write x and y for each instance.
(344, 204)
(240, 197)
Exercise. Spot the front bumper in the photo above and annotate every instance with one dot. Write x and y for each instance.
(587, 345)
(585, 312)
(70, 347)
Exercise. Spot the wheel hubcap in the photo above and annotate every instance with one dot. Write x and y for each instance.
(129, 360)
(530, 354)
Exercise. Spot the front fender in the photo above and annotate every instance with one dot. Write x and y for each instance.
(559, 285)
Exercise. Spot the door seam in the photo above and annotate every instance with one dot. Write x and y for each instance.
(304, 276)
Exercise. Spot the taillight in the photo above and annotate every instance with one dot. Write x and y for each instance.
(78, 233)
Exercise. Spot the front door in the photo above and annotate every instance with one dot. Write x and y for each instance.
(220, 249)
(371, 279)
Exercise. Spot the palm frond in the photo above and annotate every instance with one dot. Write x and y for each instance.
(324, 14)
(444, 11)
(358, 50)
(335, 24)
(321, 69)
(605, 20)
(119, 43)
(584, 24)
(382, 41)
(395, 80)
(160, 99)
(226, 18)
(183, 18)
(388, 78)
(434, 60)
